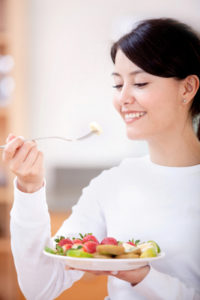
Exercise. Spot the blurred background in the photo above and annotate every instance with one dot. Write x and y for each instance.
(55, 79)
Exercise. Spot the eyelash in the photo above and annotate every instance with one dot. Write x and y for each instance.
(141, 84)
(118, 86)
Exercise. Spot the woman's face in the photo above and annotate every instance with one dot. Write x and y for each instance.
(149, 105)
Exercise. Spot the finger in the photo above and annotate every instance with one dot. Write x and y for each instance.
(31, 158)
(97, 273)
(10, 137)
(20, 156)
(68, 268)
(39, 161)
(94, 272)
(12, 147)
(26, 167)
(134, 276)
(133, 271)
(37, 168)
(74, 269)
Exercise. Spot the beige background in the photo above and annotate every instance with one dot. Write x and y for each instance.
(69, 67)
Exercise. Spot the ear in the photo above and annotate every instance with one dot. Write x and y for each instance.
(190, 86)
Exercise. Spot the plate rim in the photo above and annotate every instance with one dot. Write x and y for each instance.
(86, 259)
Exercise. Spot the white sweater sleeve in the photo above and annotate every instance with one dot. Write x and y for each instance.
(160, 286)
(40, 277)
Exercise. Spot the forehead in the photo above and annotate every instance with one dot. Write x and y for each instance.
(124, 65)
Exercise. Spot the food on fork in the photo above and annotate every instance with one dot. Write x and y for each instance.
(88, 246)
(95, 127)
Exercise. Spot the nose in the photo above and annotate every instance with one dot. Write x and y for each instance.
(125, 96)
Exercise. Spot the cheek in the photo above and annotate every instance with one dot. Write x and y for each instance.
(162, 109)
(116, 103)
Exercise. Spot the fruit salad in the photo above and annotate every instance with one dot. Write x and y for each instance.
(88, 246)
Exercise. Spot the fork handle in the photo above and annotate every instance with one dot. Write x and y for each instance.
(43, 138)
(51, 137)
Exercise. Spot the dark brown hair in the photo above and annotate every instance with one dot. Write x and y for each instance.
(164, 47)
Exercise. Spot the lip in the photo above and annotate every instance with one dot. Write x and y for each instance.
(131, 111)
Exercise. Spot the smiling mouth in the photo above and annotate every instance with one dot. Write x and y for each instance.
(133, 116)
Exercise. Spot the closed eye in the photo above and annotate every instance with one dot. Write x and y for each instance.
(141, 84)
(117, 86)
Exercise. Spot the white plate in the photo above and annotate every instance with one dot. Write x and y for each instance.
(109, 264)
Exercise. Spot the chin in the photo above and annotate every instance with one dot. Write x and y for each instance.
(131, 135)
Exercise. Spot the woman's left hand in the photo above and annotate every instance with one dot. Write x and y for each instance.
(132, 276)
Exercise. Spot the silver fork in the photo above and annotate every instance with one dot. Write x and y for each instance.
(94, 127)
(57, 137)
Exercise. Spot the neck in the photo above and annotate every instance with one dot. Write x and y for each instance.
(175, 150)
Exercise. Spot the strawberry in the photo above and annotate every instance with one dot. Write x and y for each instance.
(131, 243)
(90, 237)
(77, 241)
(109, 241)
(66, 247)
(90, 246)
(65, 241)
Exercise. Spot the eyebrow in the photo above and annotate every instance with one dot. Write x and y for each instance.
(131, 73)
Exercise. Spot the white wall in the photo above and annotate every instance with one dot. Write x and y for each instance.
(69, 72)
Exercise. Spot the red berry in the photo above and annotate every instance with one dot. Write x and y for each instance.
(65, 241)
(90, 246)
(131, 243)
(66, 247)
(90, 237)
(109, 241)
(77, 241)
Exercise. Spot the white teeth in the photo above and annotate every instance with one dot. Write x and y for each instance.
(134, 115)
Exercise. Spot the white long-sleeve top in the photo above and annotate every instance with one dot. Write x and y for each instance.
(137, 199)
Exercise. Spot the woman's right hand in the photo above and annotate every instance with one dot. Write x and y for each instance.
(26, 162)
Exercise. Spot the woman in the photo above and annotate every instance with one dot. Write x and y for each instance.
(156, 75)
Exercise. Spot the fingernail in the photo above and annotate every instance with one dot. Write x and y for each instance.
(9, 137)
